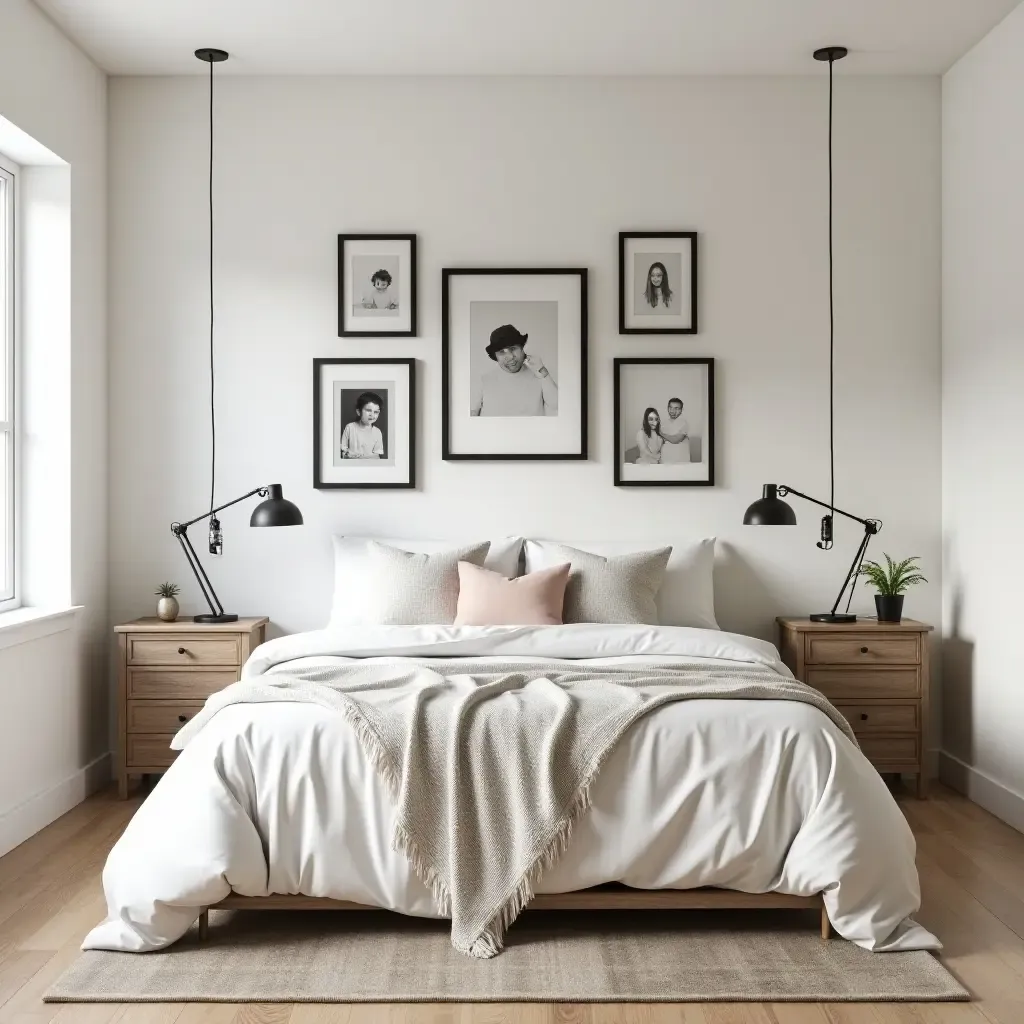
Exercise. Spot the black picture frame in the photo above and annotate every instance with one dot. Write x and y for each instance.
(692, 237)
(617, 460)
(318, 482)
(447, 454)
(343, 332)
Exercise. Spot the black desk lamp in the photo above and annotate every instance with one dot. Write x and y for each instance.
(275, 510)
(771, 510)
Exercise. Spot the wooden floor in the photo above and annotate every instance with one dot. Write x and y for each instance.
(972, 876)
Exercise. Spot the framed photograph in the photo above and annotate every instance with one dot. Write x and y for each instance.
(364, 423)
(514, 364)
(664, 422)
(376, 286)
(658, 282)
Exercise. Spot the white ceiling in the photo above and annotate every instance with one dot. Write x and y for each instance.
(526, 37)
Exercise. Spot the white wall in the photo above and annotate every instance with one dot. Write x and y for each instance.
(520, 172)
(983, 418)
(53, 685)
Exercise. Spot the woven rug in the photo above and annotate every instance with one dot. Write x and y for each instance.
(619, 956)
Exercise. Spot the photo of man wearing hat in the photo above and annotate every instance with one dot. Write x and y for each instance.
(519, 385)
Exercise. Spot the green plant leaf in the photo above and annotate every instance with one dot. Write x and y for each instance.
(893, 578)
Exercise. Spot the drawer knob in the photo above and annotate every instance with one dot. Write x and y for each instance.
(184, 718)
(863, 718)
(863, 650)
(182, 650)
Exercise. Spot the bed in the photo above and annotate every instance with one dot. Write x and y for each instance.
(728, 800)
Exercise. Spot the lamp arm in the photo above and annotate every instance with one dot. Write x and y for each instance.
(870, 529)
(179, 530)
(785, 489)
(262, 491)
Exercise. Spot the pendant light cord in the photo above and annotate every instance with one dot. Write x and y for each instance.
(213, 417)
(831, 322)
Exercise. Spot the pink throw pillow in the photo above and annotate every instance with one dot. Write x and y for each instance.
(487, 598)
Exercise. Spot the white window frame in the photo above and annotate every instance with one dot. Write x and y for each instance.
(10, 597)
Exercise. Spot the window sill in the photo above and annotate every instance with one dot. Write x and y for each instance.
(25, 624)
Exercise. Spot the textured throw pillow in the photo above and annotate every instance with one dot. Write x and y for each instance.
(687, 595)
(351, 562)
(405, 588)
(489, 599)
(621, 588)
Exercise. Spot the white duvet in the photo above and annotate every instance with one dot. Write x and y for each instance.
(755, 795)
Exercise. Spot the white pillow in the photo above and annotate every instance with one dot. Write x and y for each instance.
(352, 560)
(687, 595)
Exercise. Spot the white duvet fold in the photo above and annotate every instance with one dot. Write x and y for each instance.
(757, 795)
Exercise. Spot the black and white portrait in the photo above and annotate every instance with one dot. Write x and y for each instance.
(377, 286)
(514, 363)
(364, 416)
(361, 421)
(654, 293)
(664, 421)
(514, 358)
(658, 282)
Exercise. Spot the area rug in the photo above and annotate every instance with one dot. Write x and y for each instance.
(604, 957)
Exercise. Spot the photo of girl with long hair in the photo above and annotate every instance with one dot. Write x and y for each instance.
(648, 439)
(658, 285)
(658, 290)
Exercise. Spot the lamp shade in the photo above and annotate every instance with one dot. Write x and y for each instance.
(276, 510)
(769, 510)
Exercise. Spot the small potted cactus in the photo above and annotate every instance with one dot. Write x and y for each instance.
(167, 607)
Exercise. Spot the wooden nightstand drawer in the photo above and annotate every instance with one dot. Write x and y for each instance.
(881, 718)
(876, 674)
(181, 684)
(145, 750)
(165, 671)
(184, 649)
(887, 752)
(156, 716)
(851, 649)
(851, 684)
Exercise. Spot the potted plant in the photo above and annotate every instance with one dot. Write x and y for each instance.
(167, 606)
(891, 581)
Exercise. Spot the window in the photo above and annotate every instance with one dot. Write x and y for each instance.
(8, 478)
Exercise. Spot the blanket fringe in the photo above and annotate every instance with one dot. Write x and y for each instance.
(401, 841)
(491, 940)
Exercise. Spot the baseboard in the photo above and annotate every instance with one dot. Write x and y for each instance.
(25, 820)
(996, 798)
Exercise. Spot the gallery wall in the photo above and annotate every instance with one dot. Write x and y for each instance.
(518, 172)
(983, 420)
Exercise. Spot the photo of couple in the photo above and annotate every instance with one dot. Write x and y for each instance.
(659, 443)
(664, 421)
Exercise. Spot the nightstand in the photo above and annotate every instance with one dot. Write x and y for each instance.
(166, 670)
(876, 674)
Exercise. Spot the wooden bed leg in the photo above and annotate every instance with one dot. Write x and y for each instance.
(204, 925)
(826, 927)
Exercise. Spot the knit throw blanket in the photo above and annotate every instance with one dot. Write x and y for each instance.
(490, 763)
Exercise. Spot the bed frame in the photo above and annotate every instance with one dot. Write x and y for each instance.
(604, 897)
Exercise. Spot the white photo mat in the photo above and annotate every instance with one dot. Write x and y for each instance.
(638, 254)
(520, 435)
(396, 376)
(653, 384)
(372, 321)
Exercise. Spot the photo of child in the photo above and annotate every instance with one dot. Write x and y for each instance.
(376, 290)
(362, 423)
